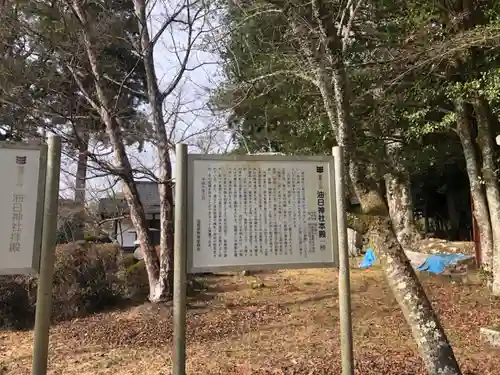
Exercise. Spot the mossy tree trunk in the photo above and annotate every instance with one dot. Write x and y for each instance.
(481, 212)
(322, 41)
(485, 141)
(399, 197)
(400, 205)
(427, 330)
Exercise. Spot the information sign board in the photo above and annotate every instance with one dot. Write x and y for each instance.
(260, 211)
(22, 183)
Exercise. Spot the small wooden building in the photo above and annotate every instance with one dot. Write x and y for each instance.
(119, 226)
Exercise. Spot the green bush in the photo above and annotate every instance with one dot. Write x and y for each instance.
(136, 280)
(17, 302)
(87, 278)
(128, 261)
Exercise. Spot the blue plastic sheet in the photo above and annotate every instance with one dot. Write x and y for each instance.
(437, 263)
(368, 259)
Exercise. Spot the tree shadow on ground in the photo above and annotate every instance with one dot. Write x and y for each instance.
(310, 299)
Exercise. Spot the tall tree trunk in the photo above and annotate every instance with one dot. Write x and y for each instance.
(400, 203)
(432, 342)
(113, 130)
(399, 198)
(156, 98)
(427, 330)
(481, 212)
(485, 141)
(81, 185)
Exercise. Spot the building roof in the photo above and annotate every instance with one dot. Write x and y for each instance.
(117, 205)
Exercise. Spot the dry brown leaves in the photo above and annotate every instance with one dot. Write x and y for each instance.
(147, 328)
(290, 326)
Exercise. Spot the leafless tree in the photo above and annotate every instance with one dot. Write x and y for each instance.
(188, 17)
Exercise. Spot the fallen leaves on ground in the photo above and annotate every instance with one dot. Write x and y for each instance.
(289, 326)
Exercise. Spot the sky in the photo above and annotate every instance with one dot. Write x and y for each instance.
(195, 125)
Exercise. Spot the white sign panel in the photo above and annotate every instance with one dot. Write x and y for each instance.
(22, 185)
(260, 212)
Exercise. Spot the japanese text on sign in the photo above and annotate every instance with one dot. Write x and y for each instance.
(17, 206)
(20, 227)
(260, 213)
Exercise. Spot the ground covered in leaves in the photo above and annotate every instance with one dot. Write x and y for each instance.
(283, 322)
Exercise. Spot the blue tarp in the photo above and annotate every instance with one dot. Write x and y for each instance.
(436, 263)
(368, 259)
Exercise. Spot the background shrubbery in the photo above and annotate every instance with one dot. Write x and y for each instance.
(88, 278)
